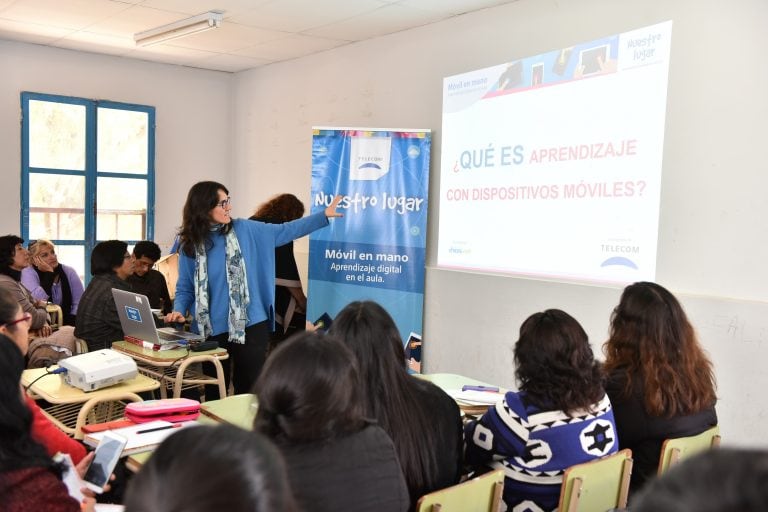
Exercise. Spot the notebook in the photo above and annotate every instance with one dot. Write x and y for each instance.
(142, 437)
(138, 322)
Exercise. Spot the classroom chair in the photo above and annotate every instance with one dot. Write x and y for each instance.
(55, 315)
(102, 410)
(189, 375)
(598, 485)
(481, 494)
(81, 346)
(677, 449)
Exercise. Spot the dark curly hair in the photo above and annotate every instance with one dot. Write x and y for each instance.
(555, 365)
(196, 220)
(652, 341)
(279, 209)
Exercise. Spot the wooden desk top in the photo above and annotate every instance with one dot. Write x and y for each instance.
(164, 357)
(53, 388)
(238, 410)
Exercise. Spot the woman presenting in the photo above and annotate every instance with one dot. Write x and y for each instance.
(227, 276)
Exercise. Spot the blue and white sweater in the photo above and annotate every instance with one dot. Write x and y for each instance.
(534, 447)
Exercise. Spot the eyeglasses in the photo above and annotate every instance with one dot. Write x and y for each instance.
(26, 318)
(224, 203)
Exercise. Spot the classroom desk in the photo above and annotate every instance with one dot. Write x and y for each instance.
(450, 382)
(238, 410)
(69, 400)
(167, 365)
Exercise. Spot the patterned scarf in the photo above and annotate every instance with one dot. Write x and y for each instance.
(47, 280)
(236, 282)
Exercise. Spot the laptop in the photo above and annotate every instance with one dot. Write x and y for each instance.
(138, 322)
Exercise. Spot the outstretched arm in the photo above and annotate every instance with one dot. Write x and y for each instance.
(331, 212)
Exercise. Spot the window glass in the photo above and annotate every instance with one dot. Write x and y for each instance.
(122, 141)
(56, 206)
(121, 209)
(56, 135)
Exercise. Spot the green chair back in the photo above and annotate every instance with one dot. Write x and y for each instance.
(598, 485)
(481, 494)
(675, 450)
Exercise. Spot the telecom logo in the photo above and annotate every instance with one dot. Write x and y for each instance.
(369, 158)
(621, 261)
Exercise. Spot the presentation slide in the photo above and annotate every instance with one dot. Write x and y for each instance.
(551, 164)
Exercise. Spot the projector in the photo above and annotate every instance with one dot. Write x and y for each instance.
(99, 369)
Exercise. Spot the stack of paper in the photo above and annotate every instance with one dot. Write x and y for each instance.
(473, 397)
(142, 437)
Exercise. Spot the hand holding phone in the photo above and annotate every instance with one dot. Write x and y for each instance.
(105, 459)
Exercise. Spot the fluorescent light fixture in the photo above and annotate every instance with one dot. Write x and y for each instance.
(182, 28)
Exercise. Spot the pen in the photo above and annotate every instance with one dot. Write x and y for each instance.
(158, 428)
(469, 387)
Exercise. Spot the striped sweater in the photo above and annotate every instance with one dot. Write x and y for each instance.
(534, 447)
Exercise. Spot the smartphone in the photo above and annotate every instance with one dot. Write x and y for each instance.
(413, 352)
(104, 461)
(324, 322)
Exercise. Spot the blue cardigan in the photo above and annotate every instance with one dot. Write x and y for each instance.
(257, 243)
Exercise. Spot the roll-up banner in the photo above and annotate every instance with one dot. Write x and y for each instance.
(377, 251)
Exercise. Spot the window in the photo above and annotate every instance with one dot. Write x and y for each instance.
(87, 174)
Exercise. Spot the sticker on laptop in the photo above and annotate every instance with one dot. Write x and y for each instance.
(133, 314)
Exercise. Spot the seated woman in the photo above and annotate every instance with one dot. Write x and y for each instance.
(29, 479)
(660, 381)
(205, 468)
(422, 420)
(560, 417)
(97, 320)
(279, 209)
(14, 325)
(310, 405)
(49, 280)
(13, 259)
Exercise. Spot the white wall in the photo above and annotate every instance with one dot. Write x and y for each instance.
(193, 118)
(712, 242)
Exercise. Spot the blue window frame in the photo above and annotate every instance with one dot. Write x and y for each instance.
(87, 173)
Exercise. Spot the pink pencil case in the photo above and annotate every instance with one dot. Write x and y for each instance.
(169, 409)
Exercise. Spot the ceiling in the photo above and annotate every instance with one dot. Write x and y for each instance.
(253, 33)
